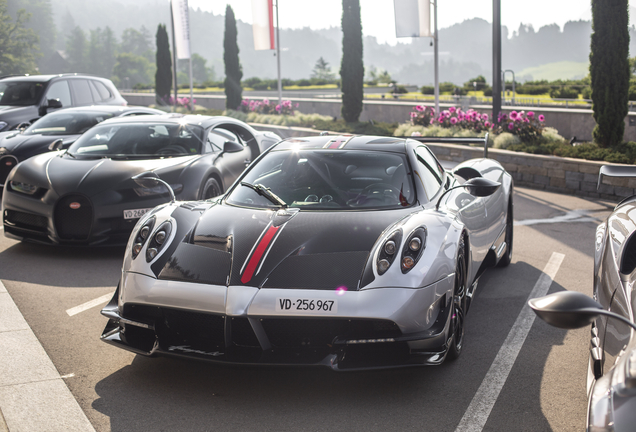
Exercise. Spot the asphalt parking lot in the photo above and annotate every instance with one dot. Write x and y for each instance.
(515, 373)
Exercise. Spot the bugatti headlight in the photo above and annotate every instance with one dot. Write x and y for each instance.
(157, 190)
(158, 240)
(142, 236)
(388, 251)
(413, 247)
(24, 188)
(3, 150)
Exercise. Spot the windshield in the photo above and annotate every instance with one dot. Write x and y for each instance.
(20, 93)
(139, 140)
(328, 180)
(66, 123)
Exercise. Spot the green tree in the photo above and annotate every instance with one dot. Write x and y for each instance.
(109, 51)
(17, 43)
(136, 42)
(41, 21)
(322, 70)
(163, 76)
(233, 69)
(352, 68)
(200, 73)
(76, 49)
(609, 70)
(131, 69)
(95, 53)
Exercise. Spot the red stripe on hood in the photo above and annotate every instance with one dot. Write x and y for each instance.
(258, 254)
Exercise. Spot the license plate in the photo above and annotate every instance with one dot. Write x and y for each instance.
(136, 213)
(306, 306)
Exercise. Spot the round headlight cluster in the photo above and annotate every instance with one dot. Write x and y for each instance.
(142, 236)
(388, 252)
(158, 240)
(413, 248)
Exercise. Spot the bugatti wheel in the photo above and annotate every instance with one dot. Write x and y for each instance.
(211, 189)
(459, 304)
(507, 258)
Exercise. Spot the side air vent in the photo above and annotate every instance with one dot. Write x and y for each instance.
(628, 260)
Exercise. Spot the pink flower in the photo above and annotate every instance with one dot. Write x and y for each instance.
(297, 104)
(525, 120)
(245, 102)
(432, 121)
(278, 108)
(413, 114)
(446, 113)
(453, 121)
(530, 114)
(266, 101)
(452, 109)
(513, 115)
(485, 117)
(487, 124)
(511, 126)
(541, 117)
(419, 108)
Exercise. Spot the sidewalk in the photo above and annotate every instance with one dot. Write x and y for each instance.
(33, 396)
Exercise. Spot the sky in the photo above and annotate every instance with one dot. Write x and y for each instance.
(378, 18)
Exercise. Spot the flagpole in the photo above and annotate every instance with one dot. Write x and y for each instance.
(436, 60)
(174, 60)
(280, 86)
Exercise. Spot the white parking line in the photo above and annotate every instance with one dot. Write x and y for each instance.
(88, 305)
(480, 407)
(33, 396)
(571, 216)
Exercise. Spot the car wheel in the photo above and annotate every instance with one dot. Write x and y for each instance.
(459, 303)
(210, 189)
(507, 258)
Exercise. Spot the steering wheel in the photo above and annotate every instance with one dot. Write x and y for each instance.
(375, 191)
(172, 149)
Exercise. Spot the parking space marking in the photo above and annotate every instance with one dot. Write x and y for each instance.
(478, 411)
(88, 305)
(571, 216)
(33, 396)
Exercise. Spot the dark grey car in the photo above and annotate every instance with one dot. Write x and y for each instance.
(24, 99)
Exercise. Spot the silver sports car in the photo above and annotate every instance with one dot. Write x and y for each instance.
(349, 252)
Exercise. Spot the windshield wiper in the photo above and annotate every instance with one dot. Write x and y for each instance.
(266, 192)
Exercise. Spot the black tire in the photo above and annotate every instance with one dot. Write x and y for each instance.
(459, 303)
(210, 189)
(507, 258)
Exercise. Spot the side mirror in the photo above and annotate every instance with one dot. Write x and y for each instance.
(232, 147)
(149, 180)
(570, 310)
(476, 186)
(54, 103)
(56, 145)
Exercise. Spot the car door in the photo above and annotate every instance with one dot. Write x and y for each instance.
(58, 90)
(229, 164)
(81, 92)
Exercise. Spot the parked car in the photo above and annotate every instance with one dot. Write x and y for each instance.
(346, 252)
(85, 195)
(26, 98)
(611, 372)
(62, 127)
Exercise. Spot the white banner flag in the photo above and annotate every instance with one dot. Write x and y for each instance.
(412, 18)
(181, 25)
(263, 24)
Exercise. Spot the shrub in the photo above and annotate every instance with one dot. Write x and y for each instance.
(532, 89)
(505, 140)
(303, 83)
(267, 107)
(564, 93)
(422, 115)
(428, 90)
(398, 89)
(528, 127)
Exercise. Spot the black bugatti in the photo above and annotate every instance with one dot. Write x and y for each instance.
(59, 129)
(85, 195)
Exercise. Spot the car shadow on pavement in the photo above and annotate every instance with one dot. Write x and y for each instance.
(176, 394)
(61, 266)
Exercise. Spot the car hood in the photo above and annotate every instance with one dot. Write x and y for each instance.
(17, 114)
(63, 174)
(28, 145)
(283, 249)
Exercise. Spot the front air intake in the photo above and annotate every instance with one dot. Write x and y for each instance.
(73, 217)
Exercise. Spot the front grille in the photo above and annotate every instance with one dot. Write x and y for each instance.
(176, 327)
(242, 333)
(73, 223)
(307, 332)
(6, 165)
(25, 220)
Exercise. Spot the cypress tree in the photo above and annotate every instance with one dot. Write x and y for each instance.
(233, 69)
(609, 70)
(352, 68)
(163, 76)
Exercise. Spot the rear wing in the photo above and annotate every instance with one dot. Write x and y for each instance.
(477, 140)
(615, 171)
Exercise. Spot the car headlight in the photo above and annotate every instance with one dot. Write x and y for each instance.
(3, 150)
(158, 240)
(142, 236)
(413, 247)
(24, 188)
(388, 251)
(158, 190)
